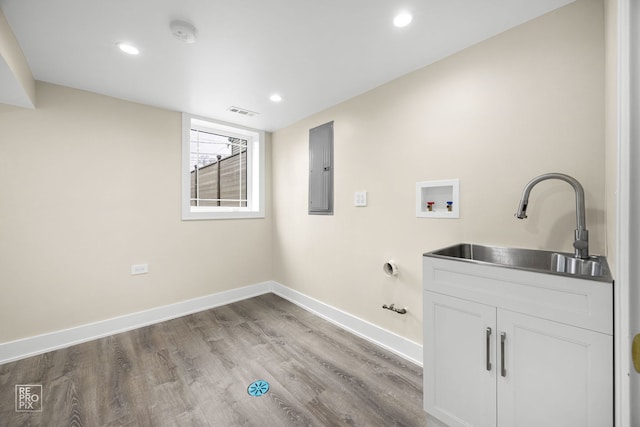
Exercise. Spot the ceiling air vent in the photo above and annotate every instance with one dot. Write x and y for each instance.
(242, 111)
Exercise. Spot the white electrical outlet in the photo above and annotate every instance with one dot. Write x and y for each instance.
(360, 198)
(139, 269)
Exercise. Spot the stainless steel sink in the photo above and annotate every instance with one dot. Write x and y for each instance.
(594, 268)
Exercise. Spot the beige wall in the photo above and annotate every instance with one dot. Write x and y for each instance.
(526, 102)
(89, 186)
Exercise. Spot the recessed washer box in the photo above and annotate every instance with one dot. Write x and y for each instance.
(438, 199)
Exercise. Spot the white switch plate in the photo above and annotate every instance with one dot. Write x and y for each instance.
(360, 198)
(139, 269)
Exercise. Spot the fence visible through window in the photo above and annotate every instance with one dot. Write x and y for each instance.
(218, 165)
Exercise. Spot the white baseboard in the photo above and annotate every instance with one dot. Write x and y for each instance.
(27, 347)
(388, 340)
(39, 344)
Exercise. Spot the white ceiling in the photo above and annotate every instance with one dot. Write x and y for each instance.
(315, 53)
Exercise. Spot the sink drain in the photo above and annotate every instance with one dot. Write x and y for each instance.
(258, 388)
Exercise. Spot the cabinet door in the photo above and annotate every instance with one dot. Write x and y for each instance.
(555, 375)
(459, 361)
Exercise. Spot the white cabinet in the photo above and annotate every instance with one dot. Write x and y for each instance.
(458, 387)
(497, 362)
(556, 375)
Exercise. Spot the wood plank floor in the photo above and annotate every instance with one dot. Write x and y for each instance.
(195, 370)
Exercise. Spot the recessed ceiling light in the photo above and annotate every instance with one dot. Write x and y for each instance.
(402, 19)
(275, 97)
(128, 48)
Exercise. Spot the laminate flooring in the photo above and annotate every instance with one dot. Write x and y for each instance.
(195, 370)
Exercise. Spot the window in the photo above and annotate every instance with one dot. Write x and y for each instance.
(222, 170)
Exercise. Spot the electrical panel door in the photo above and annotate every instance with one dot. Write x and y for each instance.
(321, 170)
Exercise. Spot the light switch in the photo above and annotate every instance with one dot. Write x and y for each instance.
(360, 198)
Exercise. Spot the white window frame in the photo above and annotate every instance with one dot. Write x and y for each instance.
(255, 170)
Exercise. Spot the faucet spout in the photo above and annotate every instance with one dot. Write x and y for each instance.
(581, 242)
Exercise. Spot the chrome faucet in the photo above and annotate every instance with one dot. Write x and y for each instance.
(581, 242)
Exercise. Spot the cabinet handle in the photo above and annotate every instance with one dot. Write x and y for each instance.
(488, 335)
(503, 338)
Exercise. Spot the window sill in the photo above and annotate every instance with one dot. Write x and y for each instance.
(223, 214)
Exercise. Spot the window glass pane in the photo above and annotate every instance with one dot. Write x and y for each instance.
(218, 169)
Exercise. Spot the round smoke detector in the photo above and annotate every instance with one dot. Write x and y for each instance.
(184, 31)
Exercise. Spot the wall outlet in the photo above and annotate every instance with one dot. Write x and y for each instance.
(139, 269)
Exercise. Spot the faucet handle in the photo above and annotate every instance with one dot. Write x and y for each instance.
(580, 244)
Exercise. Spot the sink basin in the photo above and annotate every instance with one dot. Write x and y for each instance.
(594, 267)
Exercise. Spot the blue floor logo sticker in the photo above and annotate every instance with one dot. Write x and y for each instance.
(28, 398)
(258, 388)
